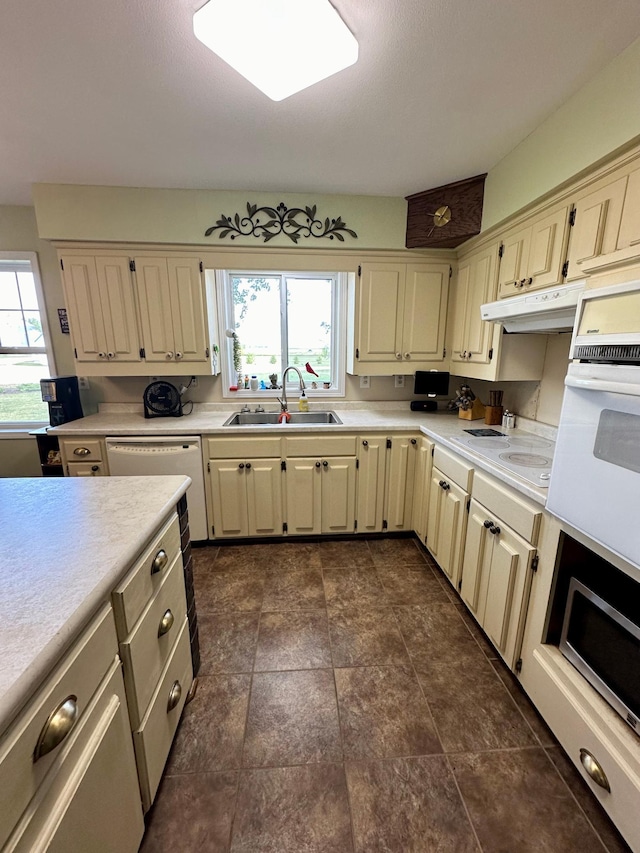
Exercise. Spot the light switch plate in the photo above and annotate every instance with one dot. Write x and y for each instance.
(83, 383)
(365, 382)
(398, 381)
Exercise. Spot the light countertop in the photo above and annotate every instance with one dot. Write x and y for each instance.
(208, 419)
(64, 545)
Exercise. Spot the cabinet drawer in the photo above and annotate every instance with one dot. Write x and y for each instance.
(131, 597)
(321, 445)
(91, 799)
(230, 448)
(518, 513)
(152, 741)
(453, 467)
(81, 449)
(145, 652)
(78, 675)
(86, 469)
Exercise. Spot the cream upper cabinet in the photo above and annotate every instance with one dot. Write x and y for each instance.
(102, 313)
(399, 316)
(172, 309)
(596, 228)
(476, 284)
(533, 257)
(629, 234)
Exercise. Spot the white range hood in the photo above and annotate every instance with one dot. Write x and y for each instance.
(552, 310)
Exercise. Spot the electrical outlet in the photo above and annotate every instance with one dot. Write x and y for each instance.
(365, 382)
(194, 381)
(398, 381)
(83, 383)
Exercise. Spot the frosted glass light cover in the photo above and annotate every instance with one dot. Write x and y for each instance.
(281, 46)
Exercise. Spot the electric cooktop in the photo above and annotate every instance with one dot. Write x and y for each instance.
(527, 455)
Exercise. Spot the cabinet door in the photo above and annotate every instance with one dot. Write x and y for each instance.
(461, 295)
(477, 560)
(371, 476)
(426, 296)
(476, 285)
(513, 264)
(82, 292)
(338, 494)
(507, 587)
(304, 495)
(421, 482)
(118, 309)
(264, 496)
(447, 524)
(186, 288)
(630, 224)
(401, 462)
(154, 294)
(380, 316)
(86, 469)
(228, 484)
(597, 225)
(548, 250)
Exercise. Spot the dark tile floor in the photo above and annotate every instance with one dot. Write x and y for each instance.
(348, 703)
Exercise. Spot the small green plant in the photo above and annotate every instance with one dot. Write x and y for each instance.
(237, 354)
(250, 358)
(273, 360)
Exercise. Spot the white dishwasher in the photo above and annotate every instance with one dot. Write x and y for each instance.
(177, 454)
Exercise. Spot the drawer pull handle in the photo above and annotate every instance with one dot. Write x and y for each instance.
(59, 723)
(414, 441)
(159, 561)
(81, 451)
(365, 443)
(487, 523)
(594, 769)
(166, 623)
(494, 529)
(174, 696)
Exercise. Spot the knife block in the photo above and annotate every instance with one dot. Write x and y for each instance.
(475, 413)
(493, 414)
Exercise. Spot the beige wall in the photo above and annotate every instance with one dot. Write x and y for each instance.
(602, 116)
(130, 214)
(19, 457)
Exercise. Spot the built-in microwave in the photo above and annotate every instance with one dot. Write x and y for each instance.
(604, 645)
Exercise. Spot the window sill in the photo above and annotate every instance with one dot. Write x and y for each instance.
(19, 430)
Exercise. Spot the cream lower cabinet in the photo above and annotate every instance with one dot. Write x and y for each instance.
(498, 561)
(246, 497)
(77, 791)
(421, 486)
(83, 457)
(386, 475)
(449, 489)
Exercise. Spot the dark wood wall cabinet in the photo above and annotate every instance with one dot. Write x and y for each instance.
(444, 217)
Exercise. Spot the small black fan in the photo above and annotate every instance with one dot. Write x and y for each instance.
(162, 400)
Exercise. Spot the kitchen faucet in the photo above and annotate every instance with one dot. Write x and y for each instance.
(284, 412)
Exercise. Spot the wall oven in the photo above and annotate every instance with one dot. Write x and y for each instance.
(595, 479)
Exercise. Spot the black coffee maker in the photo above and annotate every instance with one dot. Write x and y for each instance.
(63, 396)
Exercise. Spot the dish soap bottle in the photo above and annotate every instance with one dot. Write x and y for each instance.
(303, 403)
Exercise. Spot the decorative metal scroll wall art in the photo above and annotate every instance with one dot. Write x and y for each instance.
(269, 222)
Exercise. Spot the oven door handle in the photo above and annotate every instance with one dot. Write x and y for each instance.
(632, 388)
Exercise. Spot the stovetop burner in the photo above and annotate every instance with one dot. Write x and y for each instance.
(529, 456)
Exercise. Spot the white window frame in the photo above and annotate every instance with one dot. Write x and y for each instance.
(338, 331)
(5, 260)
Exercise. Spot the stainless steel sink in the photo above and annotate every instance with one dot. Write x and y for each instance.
(271, 418)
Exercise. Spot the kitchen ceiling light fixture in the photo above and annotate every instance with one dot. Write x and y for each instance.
(281, 46)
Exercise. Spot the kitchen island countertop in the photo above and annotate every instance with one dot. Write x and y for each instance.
(64, 545)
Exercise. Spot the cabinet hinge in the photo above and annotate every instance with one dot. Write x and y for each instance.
(468, 504)
(565, 269)
(444, 351)
(355, 524)
(388, 444)
(201, 267)
(357, 353)
(501, 250)
(519, 665)
(213, 530)
(384, 524)
(359, 270)
(132, 266)
(75, 352)
(459, 584)
(433, 450)
(142, 355)
(285, 528)
(209, 467)
(357, 463)
(534, 563)
(61, 264)
(572, 218)
(206, 352)
(283, 465)
(490, 353)
(450, 271)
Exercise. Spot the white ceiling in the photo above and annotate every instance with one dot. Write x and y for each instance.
(120, 92)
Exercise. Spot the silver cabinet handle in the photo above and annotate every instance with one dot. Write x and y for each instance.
(174, 696)
(81, 451)
(407, 355)
(159, 561)
(169, 355)
(59, 723)
(102, 355)
(594, 769)
(111, 355)
(399, 355)
(166, 623)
